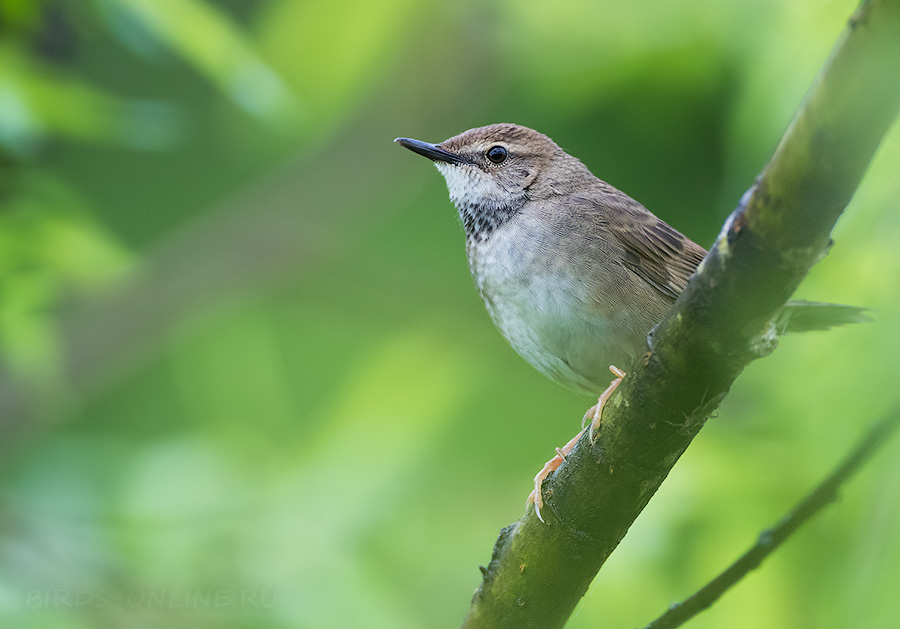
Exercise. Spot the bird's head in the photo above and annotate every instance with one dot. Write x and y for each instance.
(492, 171)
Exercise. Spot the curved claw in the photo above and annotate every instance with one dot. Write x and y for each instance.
(553, 464)
(550, 466)
(601, 401)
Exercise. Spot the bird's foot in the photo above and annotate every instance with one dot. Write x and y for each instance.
(550, 466)
(595, 411)
(553, 464)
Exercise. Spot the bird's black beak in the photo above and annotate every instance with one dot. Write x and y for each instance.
(431, 151)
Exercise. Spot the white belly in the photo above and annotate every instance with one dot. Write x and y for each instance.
(551, 320)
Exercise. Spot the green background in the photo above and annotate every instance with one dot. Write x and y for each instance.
(245, 380)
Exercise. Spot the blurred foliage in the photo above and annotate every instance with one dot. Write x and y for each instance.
(245, 380)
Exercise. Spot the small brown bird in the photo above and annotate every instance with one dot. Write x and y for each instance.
(573, 272)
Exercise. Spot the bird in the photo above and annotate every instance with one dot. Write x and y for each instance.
(573, 272)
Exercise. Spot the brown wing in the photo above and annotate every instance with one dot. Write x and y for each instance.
(660, 255)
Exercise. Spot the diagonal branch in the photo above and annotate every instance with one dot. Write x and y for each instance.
(721, 323)
(820, 497)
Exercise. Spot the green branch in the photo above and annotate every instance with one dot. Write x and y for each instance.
(721, 323)
(820, 497)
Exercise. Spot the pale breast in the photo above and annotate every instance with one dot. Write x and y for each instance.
(547, 299)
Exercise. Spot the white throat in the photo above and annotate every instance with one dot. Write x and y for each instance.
(469, 185)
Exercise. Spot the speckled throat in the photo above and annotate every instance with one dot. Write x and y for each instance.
(480, 220)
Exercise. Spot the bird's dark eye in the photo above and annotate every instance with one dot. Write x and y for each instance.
(497, 154)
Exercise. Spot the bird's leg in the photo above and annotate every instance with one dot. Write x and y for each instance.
(554, 463)
(550, 466)
(595, 411)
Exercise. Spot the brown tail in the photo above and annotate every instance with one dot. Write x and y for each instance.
(802, 316)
